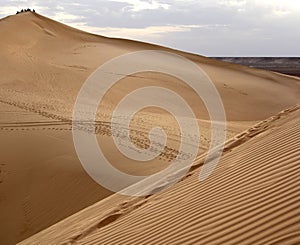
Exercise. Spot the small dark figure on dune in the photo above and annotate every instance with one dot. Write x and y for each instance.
(25, 10)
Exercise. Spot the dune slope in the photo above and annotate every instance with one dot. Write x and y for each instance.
(251, 198)
(44, 60)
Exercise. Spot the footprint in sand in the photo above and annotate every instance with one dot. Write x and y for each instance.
(3, 172)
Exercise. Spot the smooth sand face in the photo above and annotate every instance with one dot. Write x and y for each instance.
(44, 64)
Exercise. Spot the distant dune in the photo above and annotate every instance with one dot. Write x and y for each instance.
(43, 66)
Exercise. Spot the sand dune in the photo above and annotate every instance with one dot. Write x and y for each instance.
(251, 198)
(52, 65)
(44, 64)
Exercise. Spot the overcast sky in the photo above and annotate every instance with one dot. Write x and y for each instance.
(207, 27)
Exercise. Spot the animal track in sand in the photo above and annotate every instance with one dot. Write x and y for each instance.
(58, 123)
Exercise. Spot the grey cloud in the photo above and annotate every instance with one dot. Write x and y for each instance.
(232, 28)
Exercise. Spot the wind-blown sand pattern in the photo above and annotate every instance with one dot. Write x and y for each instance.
(45, 63)
(251, 198)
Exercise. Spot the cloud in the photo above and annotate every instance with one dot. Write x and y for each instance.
(210, 27)
(139, 5)
(151, 33)
(66, 17)
(6, 10)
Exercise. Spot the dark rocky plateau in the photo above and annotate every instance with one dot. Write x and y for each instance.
(286, 65)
